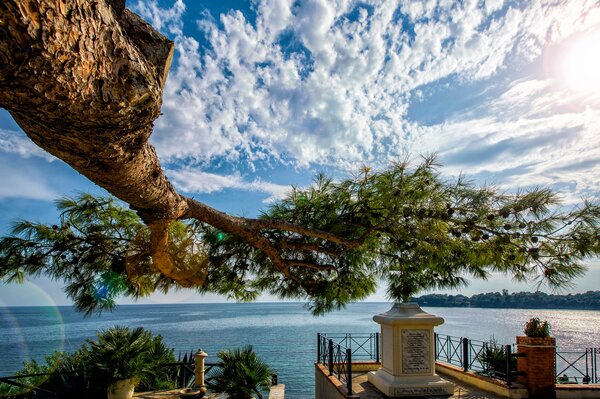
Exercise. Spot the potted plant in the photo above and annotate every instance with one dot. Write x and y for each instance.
(119, 359)
(535, 328)
(241, 374)
(537, 333)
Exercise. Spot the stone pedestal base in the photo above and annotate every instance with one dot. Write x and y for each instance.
(396, 387)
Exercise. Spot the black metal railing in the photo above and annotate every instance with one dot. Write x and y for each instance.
(364, 346)
(29, 386)
(577, 367)
(336, 352)
(486, 358)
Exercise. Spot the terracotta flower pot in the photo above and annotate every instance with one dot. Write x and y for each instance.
(122, 389)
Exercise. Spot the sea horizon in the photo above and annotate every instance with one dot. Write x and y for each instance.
(282, 333)
(281, 302)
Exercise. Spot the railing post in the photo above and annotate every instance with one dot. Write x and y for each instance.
(586, 377)
(199, 368)
(338, 354)
(508, 361)
(465, 354)
(377, 347)
(595, 365)
(349, 371)
(330, 360)
(318, 347)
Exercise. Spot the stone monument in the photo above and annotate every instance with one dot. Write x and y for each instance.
(408, 353)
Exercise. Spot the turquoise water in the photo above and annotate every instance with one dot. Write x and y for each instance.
(284, 334)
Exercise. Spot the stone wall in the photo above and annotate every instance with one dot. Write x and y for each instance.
(500, 388)
(326, 386)
(538, 366)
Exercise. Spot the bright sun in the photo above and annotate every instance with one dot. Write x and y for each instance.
(580, 67)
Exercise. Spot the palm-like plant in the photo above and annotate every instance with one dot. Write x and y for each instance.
(66, 375)
(241, 374)
(121, 353)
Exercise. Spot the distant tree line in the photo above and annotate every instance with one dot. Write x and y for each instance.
(589, 300)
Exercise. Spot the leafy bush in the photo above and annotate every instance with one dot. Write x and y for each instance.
(160, 377)
(537, 328)
(118, 353)
(493, 359)
(241, 374)
(65, 374)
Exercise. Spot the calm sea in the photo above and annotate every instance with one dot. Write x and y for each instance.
(284, 334)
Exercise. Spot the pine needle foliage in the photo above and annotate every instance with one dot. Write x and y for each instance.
(406, 226)
(99, 249)
(410, 228)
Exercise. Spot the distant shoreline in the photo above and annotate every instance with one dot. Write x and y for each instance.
(492, 300)
(521, 300)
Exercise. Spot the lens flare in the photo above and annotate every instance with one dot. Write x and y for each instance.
(108, 286)
(48, 332)
(221, 236)
(30, 332)
(13, 342)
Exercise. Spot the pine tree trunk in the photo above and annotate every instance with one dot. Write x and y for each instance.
(84, 81)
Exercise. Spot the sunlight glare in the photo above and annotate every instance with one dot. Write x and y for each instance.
(581, 64)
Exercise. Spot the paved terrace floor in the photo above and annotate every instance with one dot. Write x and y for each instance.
(277, 392)
(360, 386)
(365, 390)
(172, 394)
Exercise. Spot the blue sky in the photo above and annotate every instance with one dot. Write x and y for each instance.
(262, 95)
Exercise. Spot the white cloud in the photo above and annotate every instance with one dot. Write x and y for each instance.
(167, 20)
(197, 181)
(332, 83)
(18, 143)
(532, 134)
(329, 82)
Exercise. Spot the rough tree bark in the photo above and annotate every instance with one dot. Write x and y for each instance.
(84, 81)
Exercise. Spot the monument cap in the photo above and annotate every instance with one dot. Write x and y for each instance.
(407, 314)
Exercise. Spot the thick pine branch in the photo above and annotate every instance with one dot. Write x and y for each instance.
(84, 81)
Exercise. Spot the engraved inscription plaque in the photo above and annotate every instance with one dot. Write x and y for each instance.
(419, 391)
(416, 352)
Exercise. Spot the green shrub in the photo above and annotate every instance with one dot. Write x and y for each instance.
(118, 353)
(537, 328)
(241, 374)
(122, 353)
(158, 377)
(493, 359)
(65, 374)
